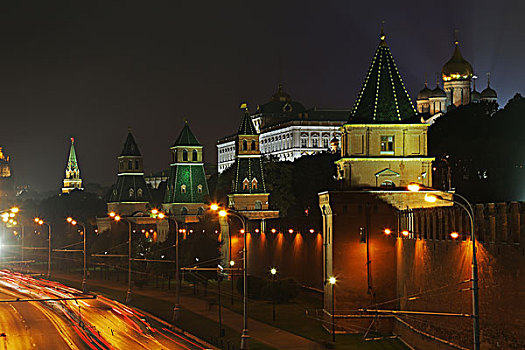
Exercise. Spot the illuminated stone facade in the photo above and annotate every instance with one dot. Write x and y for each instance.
(6, 178)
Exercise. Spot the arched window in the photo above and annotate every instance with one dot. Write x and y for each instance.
(199, 188)
(183, 188)
(130, 165)
(258, 205)
(253, 145)
(315, 140)
(139, 193)
(254, 183)
(185, 155)
(184, 211)
(131, 192)
(388, 184)
(200, 211)
(194, 155)
(246, 184)
(244, 145)
(304, 140)
(136, 165)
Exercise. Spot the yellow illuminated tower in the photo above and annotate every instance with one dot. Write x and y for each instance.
(72, 180)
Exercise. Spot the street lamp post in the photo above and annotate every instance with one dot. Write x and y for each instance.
(176, 308)
(118, 218)
(84, 271)
(42, 222)
(475, 301)
(244, 337)
(332, 281)
(232, 263)
(273, 272)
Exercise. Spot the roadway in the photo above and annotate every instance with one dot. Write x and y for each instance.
(99, 323)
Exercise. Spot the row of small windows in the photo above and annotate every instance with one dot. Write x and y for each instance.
(246, 184)
(183, 188)
(130, 165)
(131, 192)
(253, 145)
(185, 154)
(229, 149)
(184, 211)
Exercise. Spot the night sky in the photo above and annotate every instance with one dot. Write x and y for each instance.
(92, 69)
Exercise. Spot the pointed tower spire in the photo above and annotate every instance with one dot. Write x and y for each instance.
(130, 193)
(72, 179)
(383, 97)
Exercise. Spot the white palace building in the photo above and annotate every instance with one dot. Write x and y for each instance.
(287, 130)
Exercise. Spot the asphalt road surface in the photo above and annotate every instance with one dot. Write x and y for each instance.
(86, 323)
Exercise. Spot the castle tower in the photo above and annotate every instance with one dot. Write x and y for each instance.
(72, 180)
(130, 194)
(457, 75)
(248, 188)
(384, 143)
(187, 189)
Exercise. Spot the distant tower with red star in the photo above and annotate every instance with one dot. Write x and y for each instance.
(72, 180)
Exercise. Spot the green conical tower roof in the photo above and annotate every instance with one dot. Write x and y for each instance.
(186, 137)
(383, 97)
(130, 147)
(246, 127)
(72, 164)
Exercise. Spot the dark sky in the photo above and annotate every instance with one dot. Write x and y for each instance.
(90, 69)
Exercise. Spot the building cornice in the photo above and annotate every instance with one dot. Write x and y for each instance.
(385, 159)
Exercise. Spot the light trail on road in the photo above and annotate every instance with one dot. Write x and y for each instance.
(98, 324)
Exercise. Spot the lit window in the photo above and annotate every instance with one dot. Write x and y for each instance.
(139, 192)
(183, 188)
(244, 145)
(199, 188)
(254, 183)
(246, 184)
(194, 156)
(387, 144)
(304, 140)
(131, 192)
(185, 155)
(253, 145)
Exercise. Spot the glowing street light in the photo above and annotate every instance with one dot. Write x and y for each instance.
(454, 235)
(273, 273)
(15, 210)
(431, 198)
(223, 213)
(387, 231)
(413, 187)
(214, 207)
(332, 280)
(405, 233)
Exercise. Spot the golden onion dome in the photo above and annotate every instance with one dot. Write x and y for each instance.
(457, 68)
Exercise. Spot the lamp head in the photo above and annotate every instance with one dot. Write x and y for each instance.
(413, 187)
(117, 218)
(431, 198)
(15, 210)
(154, 211)
(232, 262)
(332, 280)
(405, 233)
(37, 220)
(273, 270)
(387, 231)
(161, 215)
(214, 206)
(69, 219)
(223, 213)
(454, 235)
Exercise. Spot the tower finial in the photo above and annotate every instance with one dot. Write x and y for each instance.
(488, 79)
(456, 32)
(382, 36)
(72, 140)
(474, 77)
(129, 129)
(244, 105)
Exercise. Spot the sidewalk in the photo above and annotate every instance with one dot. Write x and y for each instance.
(259, 331)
